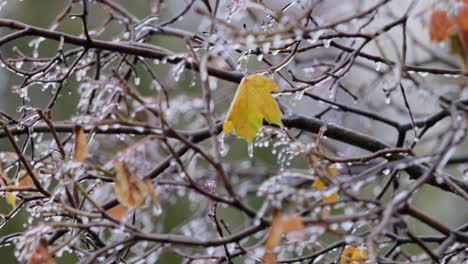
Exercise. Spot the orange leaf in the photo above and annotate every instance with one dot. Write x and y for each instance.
(276, 231)
(80, 152)
(25, 180)
(117, 212)
(462, 19)
(279, 226)
(270, 258)
(41, 254)
(439, 25)
(292, 223)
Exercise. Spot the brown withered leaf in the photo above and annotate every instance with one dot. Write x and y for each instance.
(152, 192)
(439, 25)
(80, 152)
(41, 254)
(130, 189)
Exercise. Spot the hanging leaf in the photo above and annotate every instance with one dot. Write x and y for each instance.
(439, 25)
(80, 152)
(354, 255)
(117, 212)
(279, 226)
(41, 254)
(252, 104)
(131, 191)
(152, 192)
(320, 184)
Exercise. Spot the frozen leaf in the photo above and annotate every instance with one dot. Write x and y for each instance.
(11, 198)
(117, 212)
(41, 254)
(80, 152)
(439, 25)
(131, 191)
(252, 104)
(320, 184)
(353, 255)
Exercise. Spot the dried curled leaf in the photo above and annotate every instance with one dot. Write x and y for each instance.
(131, 191)
(320, 184)
(80, 152)
(41, 254)
(252, 104)
(279, 226)
(354, 255)
(439, 25)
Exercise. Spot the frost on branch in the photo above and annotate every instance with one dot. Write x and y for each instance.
(120, 124)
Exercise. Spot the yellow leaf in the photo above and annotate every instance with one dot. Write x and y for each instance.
(354, 255)
(252, 104)
(10, 198)
(80, 152)
(319, 184)
(41, 254)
